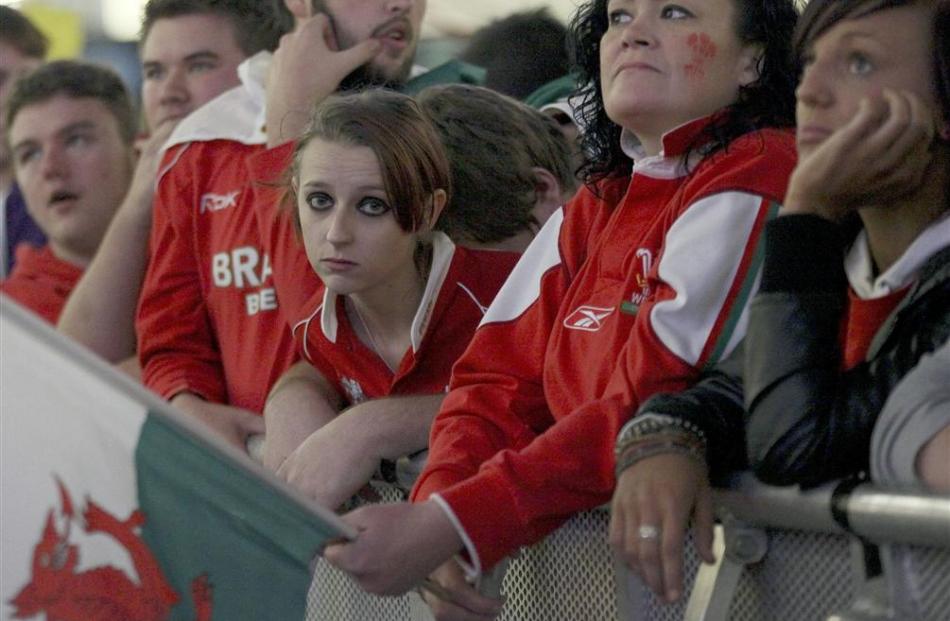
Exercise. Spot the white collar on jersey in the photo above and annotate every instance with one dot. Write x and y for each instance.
(237, 114)
(859, 266)
(442, 252)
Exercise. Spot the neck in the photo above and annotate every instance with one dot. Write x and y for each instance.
(70, 256)
(652, 145)
(894, 226)
(385, 313)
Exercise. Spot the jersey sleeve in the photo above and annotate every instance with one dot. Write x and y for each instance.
(698, 311)
(176, 344)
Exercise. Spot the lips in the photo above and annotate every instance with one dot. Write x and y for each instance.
(396, 31)
(812, 134)
(337, 264)
(61, 198)
(637, 66)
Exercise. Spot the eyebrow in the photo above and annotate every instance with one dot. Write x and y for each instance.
(72, 127)
(316, 185)
(859, 34)
(199, 55)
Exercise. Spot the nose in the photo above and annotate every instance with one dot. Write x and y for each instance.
(638, 32)
(173, 90)
(54, 164)
(339, 227)
(398, 6)
(814, 89)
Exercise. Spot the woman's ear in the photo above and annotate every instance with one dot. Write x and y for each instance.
(749, 61)
(439, 199)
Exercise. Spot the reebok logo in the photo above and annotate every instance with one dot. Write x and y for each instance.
(218, 202)
(587, 318)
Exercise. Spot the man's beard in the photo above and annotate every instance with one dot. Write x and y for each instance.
(369, 76)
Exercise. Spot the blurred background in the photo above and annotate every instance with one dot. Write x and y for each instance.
(106, 31)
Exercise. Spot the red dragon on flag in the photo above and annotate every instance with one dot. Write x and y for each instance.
(102, 593)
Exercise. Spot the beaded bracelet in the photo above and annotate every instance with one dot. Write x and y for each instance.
(650, 424)
(650, 449)
(671, 435)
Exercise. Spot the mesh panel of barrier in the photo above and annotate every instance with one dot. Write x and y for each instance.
(803, 577)
(921, 581)
(571, 576)
(566, 577)
(334, 597)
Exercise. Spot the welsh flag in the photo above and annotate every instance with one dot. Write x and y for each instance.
(114, 506)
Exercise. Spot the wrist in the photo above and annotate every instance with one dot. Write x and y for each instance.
(440, 522)
(653, 434)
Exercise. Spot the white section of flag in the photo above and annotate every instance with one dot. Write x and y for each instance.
(58, 418)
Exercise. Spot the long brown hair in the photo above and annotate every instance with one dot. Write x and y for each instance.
(411, 157)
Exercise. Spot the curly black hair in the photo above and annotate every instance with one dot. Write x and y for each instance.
(767, 102)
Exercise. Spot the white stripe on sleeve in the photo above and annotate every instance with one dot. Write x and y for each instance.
(700, 261)
(524, 284)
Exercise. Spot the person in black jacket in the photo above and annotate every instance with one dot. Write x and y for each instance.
(840, 318)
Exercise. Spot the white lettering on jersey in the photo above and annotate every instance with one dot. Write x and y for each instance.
(218, 202)
(243, 262)
(241, 268)
(587, 318)
(260, 301)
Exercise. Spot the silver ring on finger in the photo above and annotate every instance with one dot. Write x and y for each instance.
(648, 532)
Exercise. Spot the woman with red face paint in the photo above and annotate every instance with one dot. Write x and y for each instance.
(639, 283)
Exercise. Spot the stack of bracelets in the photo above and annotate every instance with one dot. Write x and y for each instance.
(654, 434)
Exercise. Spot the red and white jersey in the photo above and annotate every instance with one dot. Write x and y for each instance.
(41, 281)
(207, 319)
(619, 297)
(461, 285)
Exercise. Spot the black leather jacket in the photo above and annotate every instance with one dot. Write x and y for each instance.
(808, 422)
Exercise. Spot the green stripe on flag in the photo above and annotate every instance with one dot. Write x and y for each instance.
(742, 299)
(206, 517)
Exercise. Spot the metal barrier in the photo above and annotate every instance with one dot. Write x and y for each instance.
(780, 556)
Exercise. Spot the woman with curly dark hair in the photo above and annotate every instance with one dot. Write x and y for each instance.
(633, 288)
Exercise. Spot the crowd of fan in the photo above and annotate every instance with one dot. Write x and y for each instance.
(717, 239)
